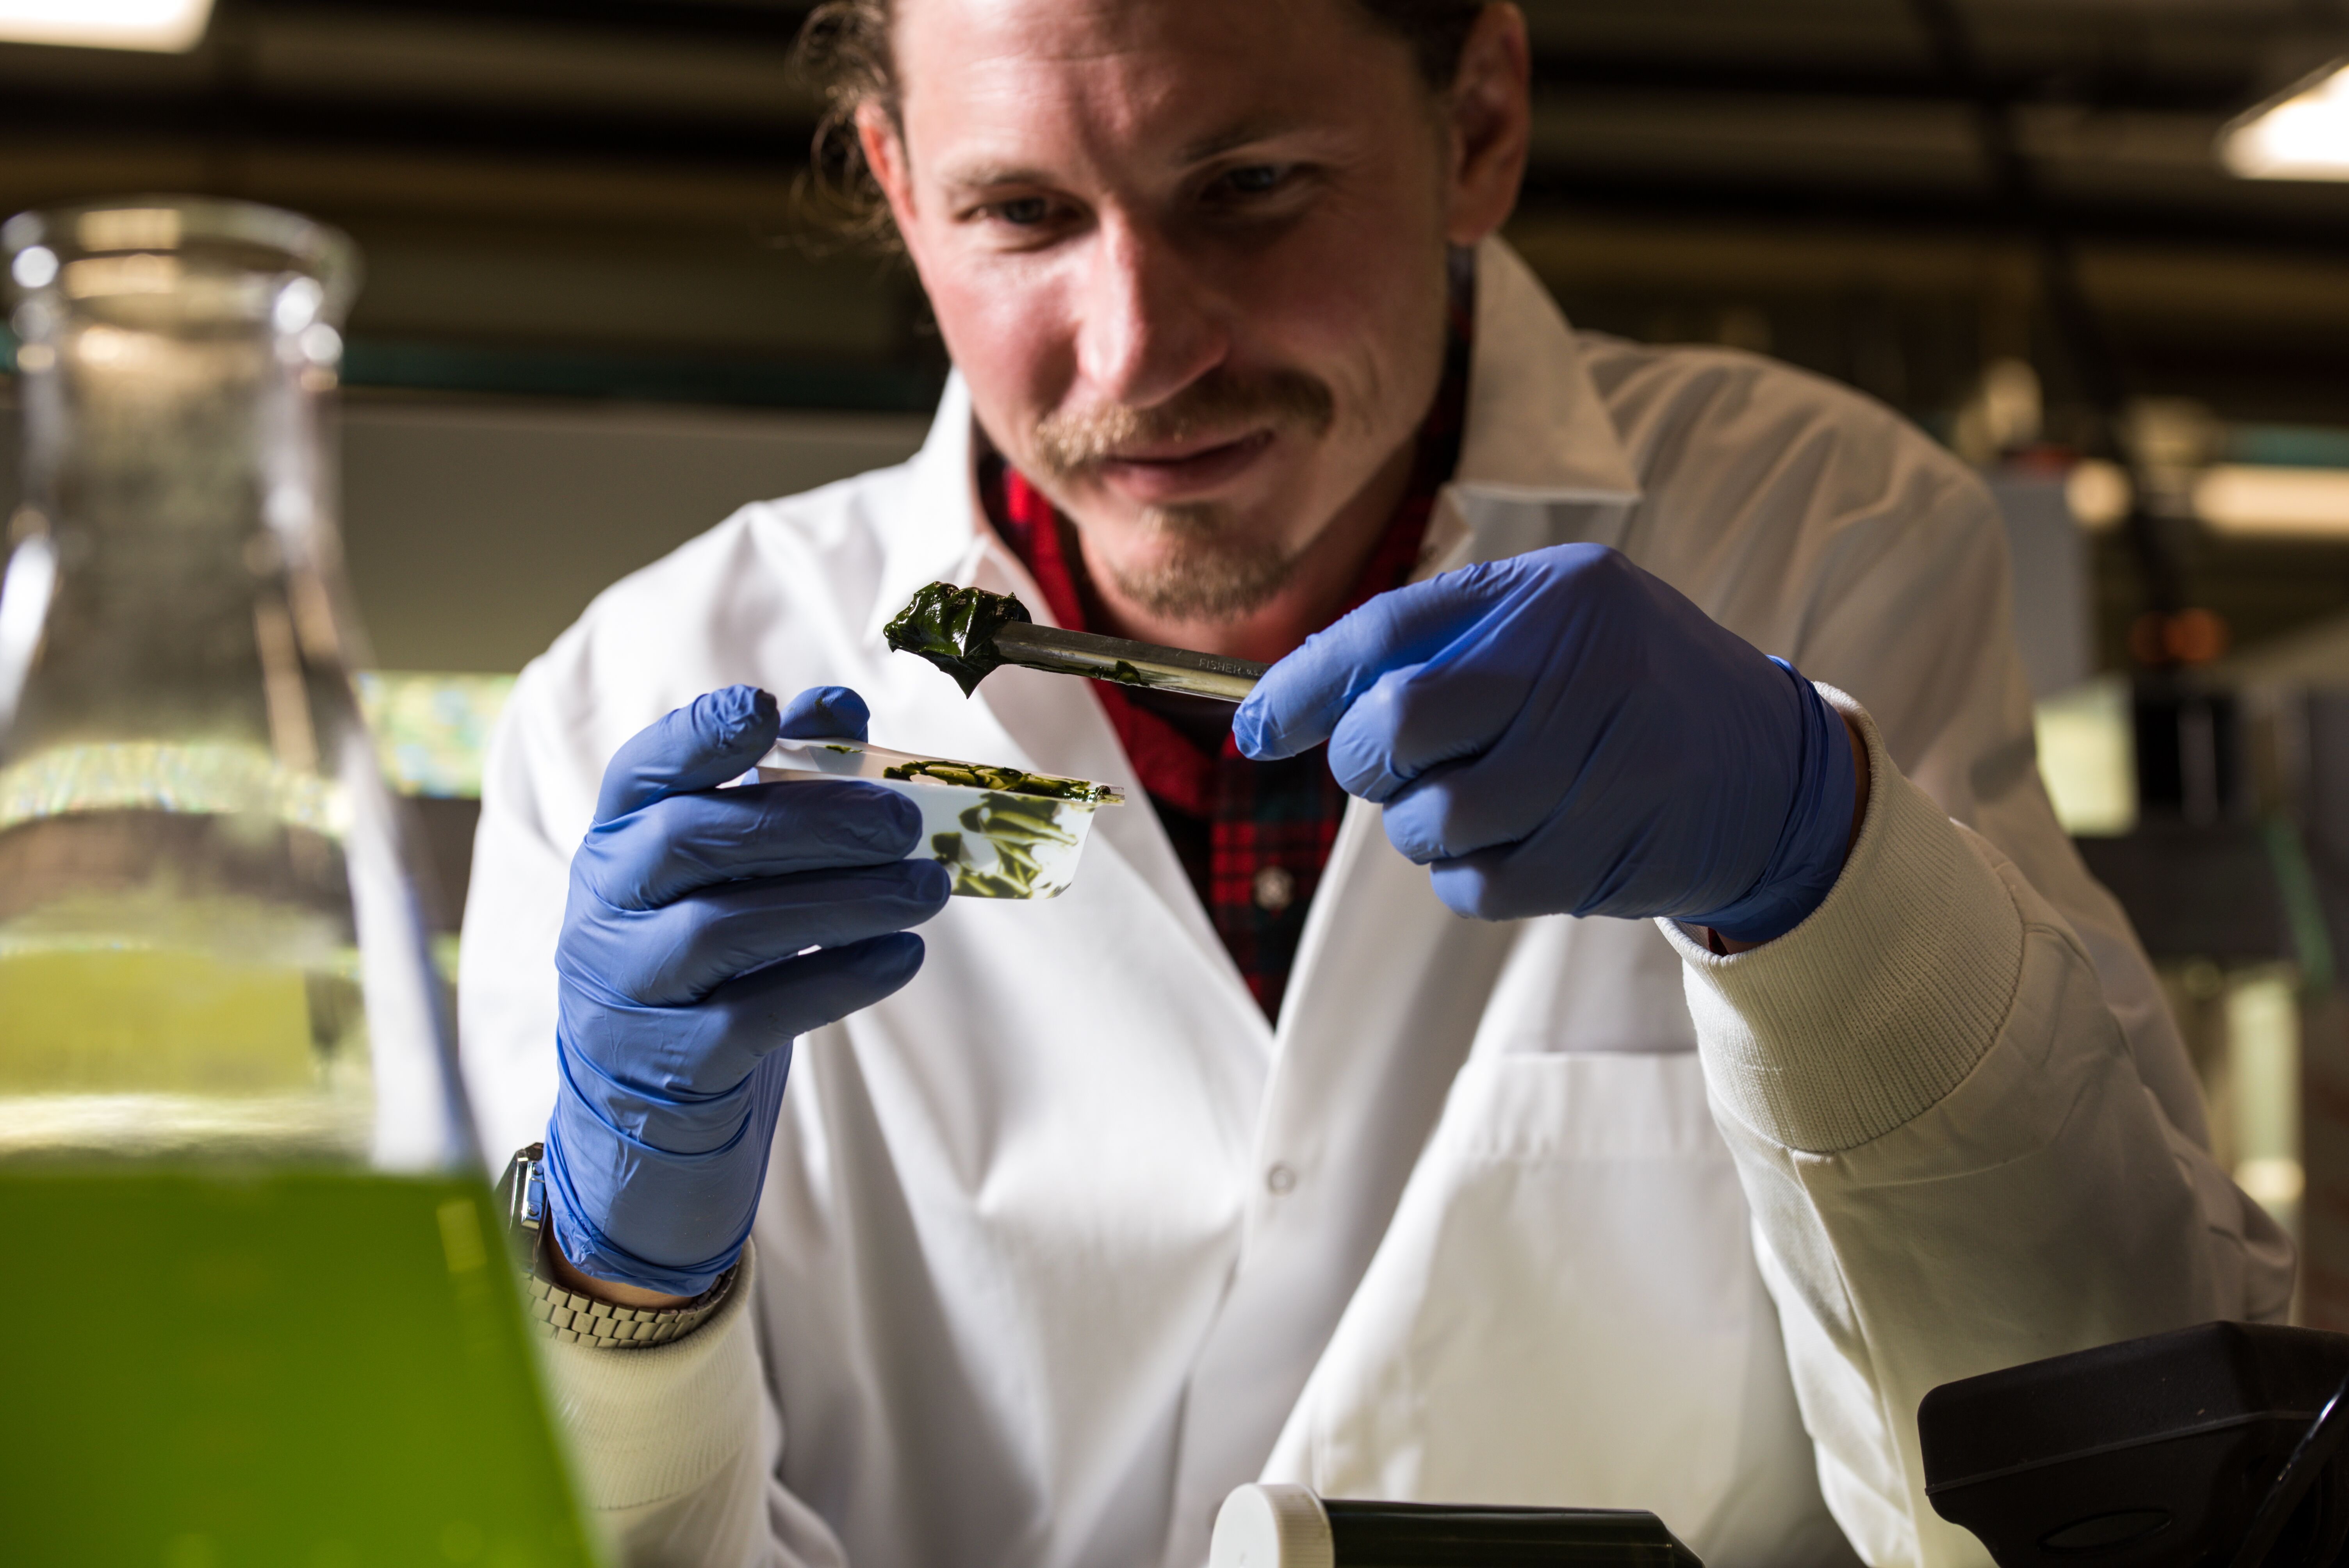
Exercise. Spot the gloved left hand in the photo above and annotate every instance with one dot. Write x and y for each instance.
(1561, 732)
(706, 928)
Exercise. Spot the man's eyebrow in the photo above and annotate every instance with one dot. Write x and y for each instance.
(1240, 135)
(985, 175)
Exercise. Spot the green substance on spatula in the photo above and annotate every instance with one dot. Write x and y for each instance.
(955, 628)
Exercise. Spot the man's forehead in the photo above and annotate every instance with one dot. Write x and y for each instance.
(1210, 74)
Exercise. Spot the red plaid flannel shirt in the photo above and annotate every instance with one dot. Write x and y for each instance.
(1253, 836)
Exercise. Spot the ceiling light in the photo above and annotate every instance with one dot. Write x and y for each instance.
(2244, 497)
(172, 25)
(2303, 135)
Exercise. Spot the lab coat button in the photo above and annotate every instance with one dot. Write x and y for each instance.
(1279, 1180)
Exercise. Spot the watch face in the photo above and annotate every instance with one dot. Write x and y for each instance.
(521, 1197)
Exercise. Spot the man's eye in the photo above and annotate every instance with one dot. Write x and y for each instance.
(1255, 178)
(1024, 211)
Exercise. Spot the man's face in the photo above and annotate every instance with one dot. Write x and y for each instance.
(1189, 255)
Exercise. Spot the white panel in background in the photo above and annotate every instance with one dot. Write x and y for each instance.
(2087, 757)
(2264, 1089)
(2053, 598)
(476, 530)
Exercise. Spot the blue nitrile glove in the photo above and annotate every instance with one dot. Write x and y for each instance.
(1562, 732)
(685, 975)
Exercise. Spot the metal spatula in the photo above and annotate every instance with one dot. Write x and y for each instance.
(970, 632)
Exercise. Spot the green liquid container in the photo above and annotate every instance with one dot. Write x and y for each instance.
(264, 1311)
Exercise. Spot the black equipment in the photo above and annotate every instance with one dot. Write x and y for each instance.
(2214, 1447)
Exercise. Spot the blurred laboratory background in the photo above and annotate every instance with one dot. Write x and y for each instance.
(2099, 247)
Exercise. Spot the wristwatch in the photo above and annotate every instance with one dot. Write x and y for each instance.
(577, 1319)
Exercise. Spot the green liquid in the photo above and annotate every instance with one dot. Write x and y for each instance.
(113, 1046)
(315, 1369)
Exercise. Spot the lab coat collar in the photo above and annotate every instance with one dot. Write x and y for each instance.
(1536, 433)
(1535, 428)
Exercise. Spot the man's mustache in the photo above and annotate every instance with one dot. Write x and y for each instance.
(1068, 443)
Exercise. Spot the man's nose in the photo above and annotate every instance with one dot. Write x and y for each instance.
(1150, 326)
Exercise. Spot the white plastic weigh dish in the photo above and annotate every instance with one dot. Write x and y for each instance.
(1003, 831)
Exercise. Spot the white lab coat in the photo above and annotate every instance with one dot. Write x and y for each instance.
(1064, 1241)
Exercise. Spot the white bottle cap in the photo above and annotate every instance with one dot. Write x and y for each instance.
(1272, 1525)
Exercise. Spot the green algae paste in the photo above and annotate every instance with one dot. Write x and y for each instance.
(1011, 780)
(955, 628)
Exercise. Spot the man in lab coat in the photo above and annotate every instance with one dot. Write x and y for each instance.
(1312, 1135)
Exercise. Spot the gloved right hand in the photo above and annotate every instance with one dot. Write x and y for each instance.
(686, 972)
(1561, 732)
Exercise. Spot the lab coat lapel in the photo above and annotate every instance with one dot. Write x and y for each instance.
(1536, 428)
(1540, 460)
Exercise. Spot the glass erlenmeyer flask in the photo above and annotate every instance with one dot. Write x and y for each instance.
(232, 1135)
(208, 946)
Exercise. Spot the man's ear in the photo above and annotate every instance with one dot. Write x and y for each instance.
(1490, 117)
(885, 154)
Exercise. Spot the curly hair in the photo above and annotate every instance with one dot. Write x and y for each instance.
(843, 51)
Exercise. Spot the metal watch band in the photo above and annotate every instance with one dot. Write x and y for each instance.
(577, 1319)
(600, 1325)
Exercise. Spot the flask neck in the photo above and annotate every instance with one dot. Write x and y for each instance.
(176, 462)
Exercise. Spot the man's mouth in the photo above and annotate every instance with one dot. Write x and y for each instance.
(1179, 471)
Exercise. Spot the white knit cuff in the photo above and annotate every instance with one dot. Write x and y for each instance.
(648, 1425)
(1880, 1002)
